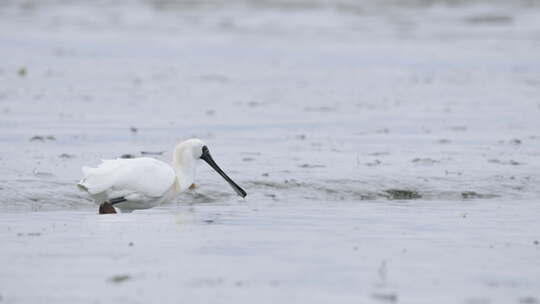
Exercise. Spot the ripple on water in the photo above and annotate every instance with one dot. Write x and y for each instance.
(46, 194)
(356, 190)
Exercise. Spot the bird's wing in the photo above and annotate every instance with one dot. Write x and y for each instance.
(144, 175)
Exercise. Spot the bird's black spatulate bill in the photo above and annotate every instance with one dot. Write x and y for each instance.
(208, 158)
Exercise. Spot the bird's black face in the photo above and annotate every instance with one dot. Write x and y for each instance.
(208, 158)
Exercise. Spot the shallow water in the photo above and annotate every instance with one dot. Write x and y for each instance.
(416, 252)
(375, 140)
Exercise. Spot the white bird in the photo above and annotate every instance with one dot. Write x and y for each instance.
(142, 183)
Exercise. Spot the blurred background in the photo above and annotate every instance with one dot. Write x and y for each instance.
(348, 78)
(437, 96)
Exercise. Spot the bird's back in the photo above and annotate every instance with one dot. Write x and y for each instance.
(140, 176)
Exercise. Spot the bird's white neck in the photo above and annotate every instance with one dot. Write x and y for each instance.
(185, 167)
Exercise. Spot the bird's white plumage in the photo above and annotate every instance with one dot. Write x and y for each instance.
(142, 183)
(141, 180)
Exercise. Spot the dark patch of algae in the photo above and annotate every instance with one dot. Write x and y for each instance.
(402, 194)
(120, 278)
(473, 195)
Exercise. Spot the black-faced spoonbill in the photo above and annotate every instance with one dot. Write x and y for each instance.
(144, 182)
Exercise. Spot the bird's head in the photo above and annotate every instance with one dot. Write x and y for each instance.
(193, 150)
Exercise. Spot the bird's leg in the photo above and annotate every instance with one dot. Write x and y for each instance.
(117, 200)
(106, 208)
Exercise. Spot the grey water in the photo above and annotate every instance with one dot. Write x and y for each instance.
(377, 140)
